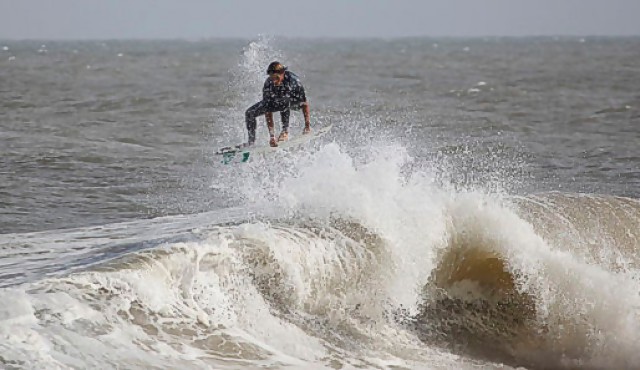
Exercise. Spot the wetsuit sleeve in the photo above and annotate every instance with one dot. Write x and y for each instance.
(266, 90)
(297, 92)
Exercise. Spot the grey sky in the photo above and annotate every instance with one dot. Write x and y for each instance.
(194, 19)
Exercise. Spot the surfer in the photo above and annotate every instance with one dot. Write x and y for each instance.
(282, 92)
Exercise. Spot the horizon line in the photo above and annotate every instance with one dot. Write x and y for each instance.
(321, 38)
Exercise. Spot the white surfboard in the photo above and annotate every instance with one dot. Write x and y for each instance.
(242, 153)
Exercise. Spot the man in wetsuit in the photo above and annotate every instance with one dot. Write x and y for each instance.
(282, 92)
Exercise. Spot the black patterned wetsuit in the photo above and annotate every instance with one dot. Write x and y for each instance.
(277, 98)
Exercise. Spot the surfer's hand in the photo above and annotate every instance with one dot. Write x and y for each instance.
(307, 130)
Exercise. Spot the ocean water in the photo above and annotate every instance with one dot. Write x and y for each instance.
(475, 205)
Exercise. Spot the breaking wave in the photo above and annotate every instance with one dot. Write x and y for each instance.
(356, 264)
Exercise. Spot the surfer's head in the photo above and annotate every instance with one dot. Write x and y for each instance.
(276, 72)
(276, 67)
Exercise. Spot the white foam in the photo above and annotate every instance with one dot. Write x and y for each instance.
(330, 183)
(88, 320)
(416, 218)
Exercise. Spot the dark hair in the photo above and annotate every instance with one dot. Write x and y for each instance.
(276, 67)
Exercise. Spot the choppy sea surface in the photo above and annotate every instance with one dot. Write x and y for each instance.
(475, 205)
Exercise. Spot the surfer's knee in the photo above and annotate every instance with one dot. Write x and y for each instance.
(253, 111)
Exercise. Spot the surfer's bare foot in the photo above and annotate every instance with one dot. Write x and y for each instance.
(273, 142)
(307, 130)
(284, 136)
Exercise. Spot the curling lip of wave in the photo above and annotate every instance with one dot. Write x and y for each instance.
(532, 288)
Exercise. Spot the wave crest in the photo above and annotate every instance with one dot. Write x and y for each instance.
(524, 293)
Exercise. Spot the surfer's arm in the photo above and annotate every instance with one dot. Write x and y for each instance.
(307, 120)
(266, 90)
(270, 125)
(298, 94)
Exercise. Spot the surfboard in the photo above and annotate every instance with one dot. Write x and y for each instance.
(242, 152)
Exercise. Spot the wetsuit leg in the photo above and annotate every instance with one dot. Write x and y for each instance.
(254, 111)
(284, 117)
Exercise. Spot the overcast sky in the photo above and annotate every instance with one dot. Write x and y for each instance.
(195, 19)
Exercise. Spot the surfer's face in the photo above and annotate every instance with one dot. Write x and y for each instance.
(277, 77)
